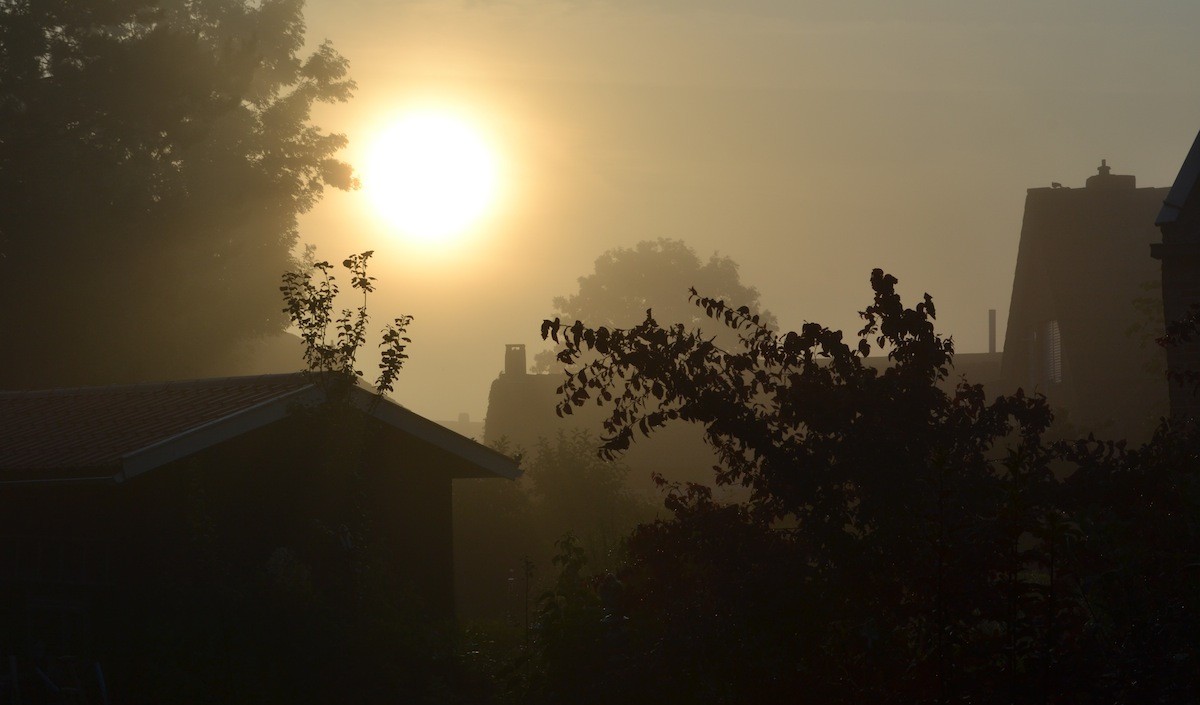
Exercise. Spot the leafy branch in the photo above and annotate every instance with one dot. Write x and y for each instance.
(331, 345)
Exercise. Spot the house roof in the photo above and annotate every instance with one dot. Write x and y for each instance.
(1185, 183)
(116, 432)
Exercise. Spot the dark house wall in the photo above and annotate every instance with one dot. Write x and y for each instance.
(1081, 266)
(222, 520)
(1179, 252)
(1180, 256)
(292, 486)
(59, 561)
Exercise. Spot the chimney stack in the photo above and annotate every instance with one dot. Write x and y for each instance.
(514, 359)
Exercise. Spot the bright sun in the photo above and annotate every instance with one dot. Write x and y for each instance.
(431, 175)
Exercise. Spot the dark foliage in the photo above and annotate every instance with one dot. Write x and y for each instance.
(1138, 569)
(900, 544)
(154, 158)
(331, 344)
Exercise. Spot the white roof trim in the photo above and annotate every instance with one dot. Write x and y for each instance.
(198, 438)
(490, 462)
(435, 434)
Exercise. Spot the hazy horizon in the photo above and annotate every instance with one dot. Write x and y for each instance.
(810, 142)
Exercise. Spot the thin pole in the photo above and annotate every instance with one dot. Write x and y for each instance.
(991, 330)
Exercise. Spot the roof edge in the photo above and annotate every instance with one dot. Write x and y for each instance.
(1183, 186)
(437, 435)
(216, 431)
(478, 461)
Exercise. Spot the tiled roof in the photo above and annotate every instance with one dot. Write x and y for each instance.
(94, 427)
(118, 432)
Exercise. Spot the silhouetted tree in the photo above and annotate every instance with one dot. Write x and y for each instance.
(898, 544)
(154, 158)
(652, 274)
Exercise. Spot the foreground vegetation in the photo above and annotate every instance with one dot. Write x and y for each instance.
(900, 543)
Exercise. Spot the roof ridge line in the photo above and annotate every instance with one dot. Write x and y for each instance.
(160, 384)
(128, 460)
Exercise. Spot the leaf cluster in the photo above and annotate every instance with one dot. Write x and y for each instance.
(332, 344)
(791, 412)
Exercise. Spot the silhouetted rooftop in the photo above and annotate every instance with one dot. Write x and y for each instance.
(1185, 182)
(116, 432)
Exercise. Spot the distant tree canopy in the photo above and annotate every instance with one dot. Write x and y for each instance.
(154, 158)
(652, 274)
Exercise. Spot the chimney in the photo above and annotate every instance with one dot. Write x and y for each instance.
(991, 330)
(1105, 179)
(514, 359)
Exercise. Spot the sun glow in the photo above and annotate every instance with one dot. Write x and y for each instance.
(431, 175)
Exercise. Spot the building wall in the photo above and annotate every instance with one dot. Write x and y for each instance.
(1179, 253)
(73, 556)
(1181, 291)
(1082, 319)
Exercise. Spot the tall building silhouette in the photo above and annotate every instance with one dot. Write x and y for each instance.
(1083, 315)
(1179, 252)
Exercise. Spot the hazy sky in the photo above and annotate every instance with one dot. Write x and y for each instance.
(809, 141)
